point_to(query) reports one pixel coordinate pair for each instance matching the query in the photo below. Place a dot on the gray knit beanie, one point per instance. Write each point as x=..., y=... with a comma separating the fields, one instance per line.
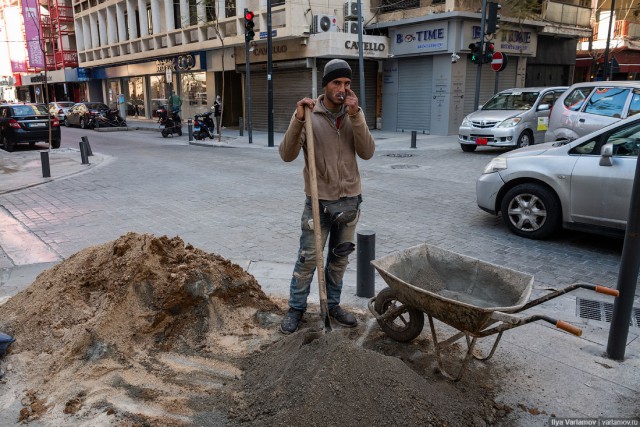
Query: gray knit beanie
x=335, y=69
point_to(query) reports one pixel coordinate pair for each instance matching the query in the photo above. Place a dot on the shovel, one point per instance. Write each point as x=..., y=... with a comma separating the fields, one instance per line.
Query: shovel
x=317, y=231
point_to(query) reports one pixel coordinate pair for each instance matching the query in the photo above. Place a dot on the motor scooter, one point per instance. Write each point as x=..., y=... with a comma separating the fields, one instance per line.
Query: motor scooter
x=170, y=120
x=203, y=126
x=111, y=118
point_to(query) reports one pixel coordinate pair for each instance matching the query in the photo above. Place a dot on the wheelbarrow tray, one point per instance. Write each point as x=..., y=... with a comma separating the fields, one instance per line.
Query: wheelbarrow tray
x=458, y=290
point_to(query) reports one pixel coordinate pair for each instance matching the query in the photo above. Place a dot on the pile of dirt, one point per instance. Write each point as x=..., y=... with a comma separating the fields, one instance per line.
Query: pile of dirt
x=320, y=379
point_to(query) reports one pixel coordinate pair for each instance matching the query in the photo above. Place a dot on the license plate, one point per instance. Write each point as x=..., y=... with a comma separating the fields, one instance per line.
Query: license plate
x=481, y=141
x=37, y=125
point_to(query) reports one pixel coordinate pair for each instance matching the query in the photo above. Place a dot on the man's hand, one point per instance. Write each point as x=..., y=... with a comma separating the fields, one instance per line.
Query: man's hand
x=305, y=102
x=351, y=102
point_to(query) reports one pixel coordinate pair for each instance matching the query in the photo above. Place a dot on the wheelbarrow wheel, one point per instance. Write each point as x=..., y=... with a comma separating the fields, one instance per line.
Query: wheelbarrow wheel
x=406, y=325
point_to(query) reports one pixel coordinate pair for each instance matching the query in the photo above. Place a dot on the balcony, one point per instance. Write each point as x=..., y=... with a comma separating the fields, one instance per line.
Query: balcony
x=573, y=14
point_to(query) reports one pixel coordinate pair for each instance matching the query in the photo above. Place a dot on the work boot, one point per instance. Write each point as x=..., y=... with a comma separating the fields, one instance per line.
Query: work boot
x=290, y=321
x=343, y=317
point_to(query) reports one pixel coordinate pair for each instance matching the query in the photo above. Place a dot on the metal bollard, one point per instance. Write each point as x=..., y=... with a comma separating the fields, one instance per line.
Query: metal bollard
x=241, y=126
x=413, y=138
x=87, y=145
x=190, y=128
x=366, y=244
x=83, y=153
x=44, y=158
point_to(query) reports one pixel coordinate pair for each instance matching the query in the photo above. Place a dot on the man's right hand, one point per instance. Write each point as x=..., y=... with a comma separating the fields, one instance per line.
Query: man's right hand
x=305, y=102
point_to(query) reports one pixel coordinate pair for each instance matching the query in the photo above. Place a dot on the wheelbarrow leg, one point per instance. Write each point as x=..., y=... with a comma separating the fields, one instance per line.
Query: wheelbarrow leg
x=493, y=349
x=438, y=345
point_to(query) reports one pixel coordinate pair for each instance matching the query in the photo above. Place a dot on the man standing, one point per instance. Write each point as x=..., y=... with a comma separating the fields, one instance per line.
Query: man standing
x=175, y=103
x=340, y=133
x=217, y=111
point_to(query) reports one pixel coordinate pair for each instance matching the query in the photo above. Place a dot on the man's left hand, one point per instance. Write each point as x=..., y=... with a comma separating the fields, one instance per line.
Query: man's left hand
x=351, y=102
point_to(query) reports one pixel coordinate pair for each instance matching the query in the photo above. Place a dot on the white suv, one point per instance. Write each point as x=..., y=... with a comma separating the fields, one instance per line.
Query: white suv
x=587, y=107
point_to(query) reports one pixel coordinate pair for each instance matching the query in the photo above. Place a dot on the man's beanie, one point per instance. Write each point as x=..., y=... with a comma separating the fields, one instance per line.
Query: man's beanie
x=335, y=69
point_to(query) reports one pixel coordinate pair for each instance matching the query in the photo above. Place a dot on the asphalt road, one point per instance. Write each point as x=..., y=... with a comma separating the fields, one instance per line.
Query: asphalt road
x=243, y=202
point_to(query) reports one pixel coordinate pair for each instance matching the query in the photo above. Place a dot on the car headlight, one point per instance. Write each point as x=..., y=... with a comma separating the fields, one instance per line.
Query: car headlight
x=466, y=122
x=495, y=165
x=509, y=123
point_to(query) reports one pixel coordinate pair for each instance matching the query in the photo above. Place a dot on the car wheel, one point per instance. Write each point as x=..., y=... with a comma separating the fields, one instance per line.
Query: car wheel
x=83, y=123
x=9, y=146
x=55, y=143
x=468, y=148
x=531, y=210
x=525, y=139
x=66, y=122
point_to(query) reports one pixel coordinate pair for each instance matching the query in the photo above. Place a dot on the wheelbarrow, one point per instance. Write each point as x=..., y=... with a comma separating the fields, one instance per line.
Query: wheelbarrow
x=477, y=298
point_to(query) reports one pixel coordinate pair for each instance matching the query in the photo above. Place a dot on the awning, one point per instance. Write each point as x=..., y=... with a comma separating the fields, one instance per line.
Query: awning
x=628, y=61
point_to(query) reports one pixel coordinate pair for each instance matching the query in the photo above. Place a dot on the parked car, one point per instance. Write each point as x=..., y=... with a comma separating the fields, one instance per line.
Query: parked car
x=512, y=118
x=20, y=123
x=60, y=109
x=583, y=184
x=82, y=113
x=587, y=107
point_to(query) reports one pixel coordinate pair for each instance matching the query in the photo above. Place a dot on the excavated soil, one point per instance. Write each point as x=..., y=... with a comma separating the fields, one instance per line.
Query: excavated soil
x=147, y=331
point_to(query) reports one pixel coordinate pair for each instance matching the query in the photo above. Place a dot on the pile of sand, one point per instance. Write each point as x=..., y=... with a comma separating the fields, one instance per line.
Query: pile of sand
x=138, y=307
x=147, y=331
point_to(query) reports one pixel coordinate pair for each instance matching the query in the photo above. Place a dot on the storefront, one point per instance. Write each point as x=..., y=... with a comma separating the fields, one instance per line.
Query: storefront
x=148, y=85
x=297, y=73
x=62, y=85
x=428, y=82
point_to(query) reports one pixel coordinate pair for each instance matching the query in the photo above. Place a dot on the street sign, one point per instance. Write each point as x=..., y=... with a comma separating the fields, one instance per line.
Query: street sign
x=498, y=62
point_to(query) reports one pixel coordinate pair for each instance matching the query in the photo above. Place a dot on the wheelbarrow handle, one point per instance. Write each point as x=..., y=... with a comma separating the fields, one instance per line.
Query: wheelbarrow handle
x=566, y=326
x=607, y=291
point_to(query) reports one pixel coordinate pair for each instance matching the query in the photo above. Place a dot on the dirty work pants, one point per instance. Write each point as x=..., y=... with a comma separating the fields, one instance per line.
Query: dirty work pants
x=306, y=263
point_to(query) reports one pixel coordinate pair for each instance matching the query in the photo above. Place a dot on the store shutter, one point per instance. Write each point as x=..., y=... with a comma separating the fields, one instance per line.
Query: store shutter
x=415, y=77
x=506, y=80
x=289, y=87
x=370, y=85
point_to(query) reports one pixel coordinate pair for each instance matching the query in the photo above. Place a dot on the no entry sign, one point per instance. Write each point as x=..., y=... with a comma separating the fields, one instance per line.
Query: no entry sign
x=498, y=61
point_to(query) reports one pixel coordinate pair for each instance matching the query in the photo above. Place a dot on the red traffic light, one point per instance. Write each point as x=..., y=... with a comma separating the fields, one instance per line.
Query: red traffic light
x=249, y=15
x=490, y=47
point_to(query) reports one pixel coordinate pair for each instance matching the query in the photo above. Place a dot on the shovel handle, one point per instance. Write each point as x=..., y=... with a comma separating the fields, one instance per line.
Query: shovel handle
x=565, y=326
x=607, y=291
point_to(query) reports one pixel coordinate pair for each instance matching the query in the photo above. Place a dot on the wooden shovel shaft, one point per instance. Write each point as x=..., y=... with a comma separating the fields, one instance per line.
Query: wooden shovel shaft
x=317, y=230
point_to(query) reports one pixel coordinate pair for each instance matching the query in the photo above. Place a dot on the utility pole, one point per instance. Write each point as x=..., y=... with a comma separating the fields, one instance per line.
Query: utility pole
x=363, y=102
x=607, y=68
x=269, y=76
x=479, y=73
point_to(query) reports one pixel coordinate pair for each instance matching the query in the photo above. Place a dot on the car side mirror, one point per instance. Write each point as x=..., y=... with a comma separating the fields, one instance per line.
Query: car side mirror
x=606, y=156
x=544, y=107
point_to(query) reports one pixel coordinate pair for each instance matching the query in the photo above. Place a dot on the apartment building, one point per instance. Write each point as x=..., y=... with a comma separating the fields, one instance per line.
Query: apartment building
x=615, y=24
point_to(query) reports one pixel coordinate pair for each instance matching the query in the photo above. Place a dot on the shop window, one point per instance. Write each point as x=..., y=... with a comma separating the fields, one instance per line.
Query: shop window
x=135, y=96
x=194, y=94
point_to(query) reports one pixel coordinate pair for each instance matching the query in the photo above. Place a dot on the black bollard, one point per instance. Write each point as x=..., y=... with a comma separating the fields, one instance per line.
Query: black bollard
x=83, y=153
x=87, y=145
x=190, y=128
x=241, y=126
x=44, y=158
x=365, y=286
x=413, y=138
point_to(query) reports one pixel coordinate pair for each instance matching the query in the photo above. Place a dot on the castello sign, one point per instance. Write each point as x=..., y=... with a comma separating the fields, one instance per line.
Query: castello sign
x=368, y=46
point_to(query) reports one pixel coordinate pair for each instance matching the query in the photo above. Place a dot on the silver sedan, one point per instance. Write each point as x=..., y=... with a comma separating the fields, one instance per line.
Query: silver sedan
x=584, y=184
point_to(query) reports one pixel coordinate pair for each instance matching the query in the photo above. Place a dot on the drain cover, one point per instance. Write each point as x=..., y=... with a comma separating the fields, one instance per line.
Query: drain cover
x=404, y=166
x=399, y=155
x=602, y=311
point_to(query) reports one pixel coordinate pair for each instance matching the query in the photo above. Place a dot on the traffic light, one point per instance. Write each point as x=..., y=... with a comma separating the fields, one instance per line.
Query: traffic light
x=248, y=25
x=492, y=18
x=476, y=52
x=488, y=52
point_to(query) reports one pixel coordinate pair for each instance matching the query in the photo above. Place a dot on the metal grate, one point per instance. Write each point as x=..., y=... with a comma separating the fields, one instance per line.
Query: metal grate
x=399, y=155
x=404, y=166
x=602, y=311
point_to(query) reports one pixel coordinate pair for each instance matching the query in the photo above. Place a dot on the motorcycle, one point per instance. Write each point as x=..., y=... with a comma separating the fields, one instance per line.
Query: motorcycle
x=111, y=118
x=170, y=120
x=203, y=126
